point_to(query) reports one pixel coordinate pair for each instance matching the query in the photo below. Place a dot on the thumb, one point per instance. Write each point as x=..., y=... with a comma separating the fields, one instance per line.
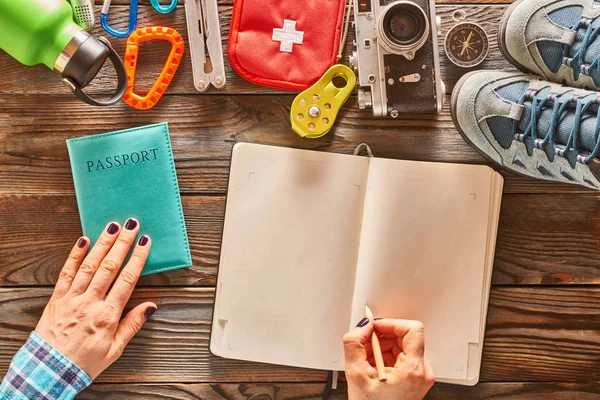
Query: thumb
x=133, y=322
x=355, y=341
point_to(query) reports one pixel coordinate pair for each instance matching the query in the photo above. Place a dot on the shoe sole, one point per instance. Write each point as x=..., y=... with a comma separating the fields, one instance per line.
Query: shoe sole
x=502, y=39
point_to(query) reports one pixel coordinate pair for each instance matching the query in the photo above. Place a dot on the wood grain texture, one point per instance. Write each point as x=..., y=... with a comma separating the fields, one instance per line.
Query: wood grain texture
x=517, y=391
x=313, y=391
x=262, y=391
x=536, y=334
x=51, y=225
x=231, y=2
x=542, y=239
x=172, y=347
x=541, y=341
x=533, y=335
x=560, y=248
x=34, y=158
x=20, y=79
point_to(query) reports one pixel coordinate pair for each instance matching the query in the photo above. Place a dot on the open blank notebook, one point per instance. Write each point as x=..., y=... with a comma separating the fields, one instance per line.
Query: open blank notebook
x=309, y=237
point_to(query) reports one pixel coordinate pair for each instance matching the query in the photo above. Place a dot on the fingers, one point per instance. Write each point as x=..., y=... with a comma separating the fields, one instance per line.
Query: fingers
x=358, y=369
x=88, y=267
x=131, y=324
x=109, y=267
x=121, y=291
x=410, y=334
x=67, y=274
x=356, y=340
x=387, y=345
x=389, y=360
x=429, y=374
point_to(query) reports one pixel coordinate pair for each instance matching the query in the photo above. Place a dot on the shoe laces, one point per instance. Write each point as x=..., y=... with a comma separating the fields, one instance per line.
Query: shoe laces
x=559, y=106
x=577, y=62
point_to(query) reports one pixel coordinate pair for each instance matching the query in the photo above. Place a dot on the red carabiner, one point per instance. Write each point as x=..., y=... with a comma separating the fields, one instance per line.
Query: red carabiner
x=167, y=73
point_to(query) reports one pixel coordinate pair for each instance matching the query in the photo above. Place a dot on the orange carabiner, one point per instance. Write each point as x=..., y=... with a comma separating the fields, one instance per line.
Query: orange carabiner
x=167, y=73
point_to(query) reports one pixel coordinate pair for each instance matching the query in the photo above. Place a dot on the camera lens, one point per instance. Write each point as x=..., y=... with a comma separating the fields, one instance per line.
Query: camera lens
x=403, y=27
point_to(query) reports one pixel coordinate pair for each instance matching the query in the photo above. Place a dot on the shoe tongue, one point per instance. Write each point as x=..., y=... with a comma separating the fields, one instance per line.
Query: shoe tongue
x=565, y=123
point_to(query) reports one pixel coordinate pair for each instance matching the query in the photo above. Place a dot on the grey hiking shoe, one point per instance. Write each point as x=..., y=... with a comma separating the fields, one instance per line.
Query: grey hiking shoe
x=530, y=126
x=556, y=39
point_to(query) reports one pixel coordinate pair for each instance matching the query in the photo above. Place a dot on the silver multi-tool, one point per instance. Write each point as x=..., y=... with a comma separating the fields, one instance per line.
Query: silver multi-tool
x=204, y=35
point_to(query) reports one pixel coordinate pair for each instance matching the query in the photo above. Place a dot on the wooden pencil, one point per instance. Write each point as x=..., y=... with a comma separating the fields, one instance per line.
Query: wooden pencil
x=376, y=349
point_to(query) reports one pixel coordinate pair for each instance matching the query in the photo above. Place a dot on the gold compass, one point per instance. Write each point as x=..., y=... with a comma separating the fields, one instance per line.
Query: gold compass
x=466, y=45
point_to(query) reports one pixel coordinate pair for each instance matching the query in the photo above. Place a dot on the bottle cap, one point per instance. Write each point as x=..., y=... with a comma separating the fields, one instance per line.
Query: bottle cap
x=86, y=61
x=81, y=60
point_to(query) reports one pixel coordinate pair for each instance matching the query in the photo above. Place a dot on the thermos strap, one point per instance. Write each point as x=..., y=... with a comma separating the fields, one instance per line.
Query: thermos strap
x=121, y=80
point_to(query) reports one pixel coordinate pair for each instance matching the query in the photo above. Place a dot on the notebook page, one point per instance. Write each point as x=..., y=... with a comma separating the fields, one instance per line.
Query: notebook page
x=423, y=253
x=475, y=355
x=288, y=257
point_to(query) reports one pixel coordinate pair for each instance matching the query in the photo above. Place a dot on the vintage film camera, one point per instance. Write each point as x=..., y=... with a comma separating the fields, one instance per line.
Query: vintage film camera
x=397, y=58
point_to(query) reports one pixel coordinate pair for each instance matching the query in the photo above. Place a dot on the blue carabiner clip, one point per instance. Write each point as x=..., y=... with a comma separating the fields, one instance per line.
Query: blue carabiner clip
x=133, y=10
x=163, y=9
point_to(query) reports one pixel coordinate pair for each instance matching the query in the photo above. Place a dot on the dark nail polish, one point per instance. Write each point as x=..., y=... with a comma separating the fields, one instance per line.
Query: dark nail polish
x=149, y=312
x=378, y=319
x=112, y=228
x=81, y=243
x=143, y=241
x=363, y=322
x=131, y=224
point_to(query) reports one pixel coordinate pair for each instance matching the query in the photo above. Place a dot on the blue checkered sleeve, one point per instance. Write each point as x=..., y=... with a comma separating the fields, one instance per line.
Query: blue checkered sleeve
x=39, y=371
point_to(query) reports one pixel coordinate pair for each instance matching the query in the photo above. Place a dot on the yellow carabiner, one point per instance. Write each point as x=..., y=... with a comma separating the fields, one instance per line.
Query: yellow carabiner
x=314, y=110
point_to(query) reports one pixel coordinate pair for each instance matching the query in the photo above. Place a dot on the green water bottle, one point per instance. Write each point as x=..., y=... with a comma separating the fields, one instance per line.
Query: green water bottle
x=43, y=32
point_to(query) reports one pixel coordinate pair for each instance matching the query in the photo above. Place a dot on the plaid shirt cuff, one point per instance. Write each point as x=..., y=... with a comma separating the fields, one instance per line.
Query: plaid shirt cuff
x=39, y=371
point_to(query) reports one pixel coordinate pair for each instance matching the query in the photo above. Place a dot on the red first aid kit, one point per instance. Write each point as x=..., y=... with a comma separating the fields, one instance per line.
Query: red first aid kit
x=286, y=44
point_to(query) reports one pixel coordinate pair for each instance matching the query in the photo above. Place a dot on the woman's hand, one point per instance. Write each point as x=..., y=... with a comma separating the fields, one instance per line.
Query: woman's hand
x=409, y=376
x=83, y=317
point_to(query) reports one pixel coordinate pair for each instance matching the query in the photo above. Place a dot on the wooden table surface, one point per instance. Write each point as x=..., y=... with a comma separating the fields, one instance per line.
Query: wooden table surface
x=542, y=332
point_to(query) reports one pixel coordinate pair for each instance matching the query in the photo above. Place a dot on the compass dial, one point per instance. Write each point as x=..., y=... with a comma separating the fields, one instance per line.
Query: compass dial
x=466, y=45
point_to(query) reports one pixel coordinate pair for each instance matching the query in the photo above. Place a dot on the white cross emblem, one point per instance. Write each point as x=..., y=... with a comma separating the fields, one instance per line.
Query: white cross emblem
x=288, y=36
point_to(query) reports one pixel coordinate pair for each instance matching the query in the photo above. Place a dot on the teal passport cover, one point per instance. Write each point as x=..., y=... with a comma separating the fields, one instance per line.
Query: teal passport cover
x=131, y=173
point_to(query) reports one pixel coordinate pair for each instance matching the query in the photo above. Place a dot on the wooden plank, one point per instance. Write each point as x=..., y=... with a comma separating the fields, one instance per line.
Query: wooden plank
x=539, y=241
x=542, y=334
x=50, y=224
x=230, y=2
x=267, y=391
x=19, y=79
x=542, y=239
x=172, y=347
x=517, y=391
x=533, y=335
x=34, y=158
